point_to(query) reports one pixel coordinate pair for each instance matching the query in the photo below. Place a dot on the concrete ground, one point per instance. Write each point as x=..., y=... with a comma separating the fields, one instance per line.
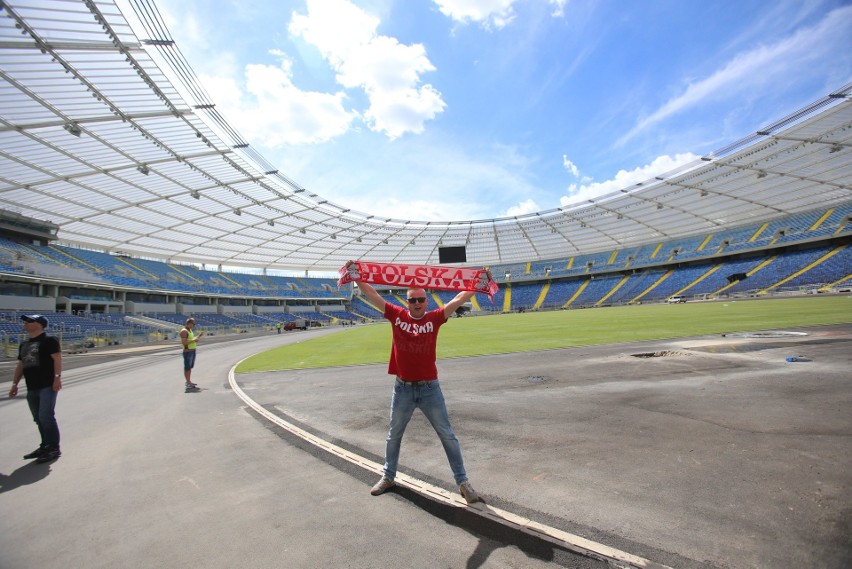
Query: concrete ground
x=695, y=453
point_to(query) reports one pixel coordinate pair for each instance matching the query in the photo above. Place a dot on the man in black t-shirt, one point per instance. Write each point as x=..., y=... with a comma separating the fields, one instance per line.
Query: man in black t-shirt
x=40, y=363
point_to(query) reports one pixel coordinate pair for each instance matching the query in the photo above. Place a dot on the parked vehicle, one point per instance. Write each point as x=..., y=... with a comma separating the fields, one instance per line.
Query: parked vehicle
x=301, y=324
x=676, y=299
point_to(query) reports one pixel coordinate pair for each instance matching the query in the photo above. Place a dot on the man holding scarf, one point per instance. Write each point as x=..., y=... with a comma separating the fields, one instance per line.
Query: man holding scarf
x=412, y=361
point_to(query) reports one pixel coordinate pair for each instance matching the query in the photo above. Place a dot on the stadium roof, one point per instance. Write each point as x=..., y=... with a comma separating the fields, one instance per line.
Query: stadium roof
x=112, y=138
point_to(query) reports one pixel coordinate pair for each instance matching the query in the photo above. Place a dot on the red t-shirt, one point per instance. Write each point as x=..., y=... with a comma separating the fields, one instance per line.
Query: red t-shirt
x=414, y=341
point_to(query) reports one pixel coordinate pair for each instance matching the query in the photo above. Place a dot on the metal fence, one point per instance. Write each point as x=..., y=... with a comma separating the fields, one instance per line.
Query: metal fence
x=77, y=339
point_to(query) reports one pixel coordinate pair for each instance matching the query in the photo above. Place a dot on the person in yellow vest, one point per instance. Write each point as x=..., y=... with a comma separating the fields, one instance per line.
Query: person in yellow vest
x=189, y=339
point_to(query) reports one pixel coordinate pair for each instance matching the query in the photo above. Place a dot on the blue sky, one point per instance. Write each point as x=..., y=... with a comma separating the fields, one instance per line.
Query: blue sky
x=473, y=109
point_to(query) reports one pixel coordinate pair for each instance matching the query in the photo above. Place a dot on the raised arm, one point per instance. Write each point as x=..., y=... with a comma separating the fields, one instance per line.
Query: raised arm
x=367, y=290
x=374, y=297
x=459, y=299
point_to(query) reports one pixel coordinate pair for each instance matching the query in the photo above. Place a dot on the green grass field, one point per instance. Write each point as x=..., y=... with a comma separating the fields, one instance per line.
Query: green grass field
x=507, y=333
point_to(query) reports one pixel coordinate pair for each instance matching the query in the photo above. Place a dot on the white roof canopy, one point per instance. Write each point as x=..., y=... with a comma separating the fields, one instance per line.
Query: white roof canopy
x=96, y=139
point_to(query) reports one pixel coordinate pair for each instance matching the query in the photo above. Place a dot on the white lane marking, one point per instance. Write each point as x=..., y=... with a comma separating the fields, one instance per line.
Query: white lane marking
x=553, y=535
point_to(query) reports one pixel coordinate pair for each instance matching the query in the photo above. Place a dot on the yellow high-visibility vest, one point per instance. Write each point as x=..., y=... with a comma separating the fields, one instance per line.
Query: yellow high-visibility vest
x=191, y=344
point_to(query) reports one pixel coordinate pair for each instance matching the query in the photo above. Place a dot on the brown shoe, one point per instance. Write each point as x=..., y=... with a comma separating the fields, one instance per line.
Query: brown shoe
x=468, y=493
x=382, y=486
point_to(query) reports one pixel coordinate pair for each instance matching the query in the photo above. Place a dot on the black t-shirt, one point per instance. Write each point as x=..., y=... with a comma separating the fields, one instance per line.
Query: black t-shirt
x=37, y=355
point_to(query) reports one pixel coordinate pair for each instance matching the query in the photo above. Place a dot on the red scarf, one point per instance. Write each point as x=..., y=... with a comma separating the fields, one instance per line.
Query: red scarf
x=419, y=276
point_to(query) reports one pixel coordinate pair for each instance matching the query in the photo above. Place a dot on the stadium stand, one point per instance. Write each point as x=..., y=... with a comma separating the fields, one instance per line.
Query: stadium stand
x=806, y=253
x=705, y=279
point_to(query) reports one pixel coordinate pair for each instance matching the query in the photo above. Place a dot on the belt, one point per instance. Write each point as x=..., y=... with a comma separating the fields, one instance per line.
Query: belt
x=414, y=383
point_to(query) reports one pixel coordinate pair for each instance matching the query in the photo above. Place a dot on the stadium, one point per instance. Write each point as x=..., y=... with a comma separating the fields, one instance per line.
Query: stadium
x=106, y=162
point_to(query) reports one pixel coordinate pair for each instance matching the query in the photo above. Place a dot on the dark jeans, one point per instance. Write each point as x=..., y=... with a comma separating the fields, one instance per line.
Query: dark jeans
x=42, y=403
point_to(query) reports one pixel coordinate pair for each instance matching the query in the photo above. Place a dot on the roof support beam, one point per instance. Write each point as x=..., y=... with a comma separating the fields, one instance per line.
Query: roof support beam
x=110, y=118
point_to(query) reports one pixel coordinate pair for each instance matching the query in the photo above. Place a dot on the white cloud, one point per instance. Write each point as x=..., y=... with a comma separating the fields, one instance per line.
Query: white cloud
x=523, y=208
x=570, y=166
x=558, y=8
x=753, y=70
x=274, y=112
x=496, y=13
x=624, y=179
x=334, y=27
x=396, y=113
x=387, y=71
x=489, y=13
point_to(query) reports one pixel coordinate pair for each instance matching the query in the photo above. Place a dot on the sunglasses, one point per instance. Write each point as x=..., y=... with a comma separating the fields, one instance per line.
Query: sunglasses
x=416, y=300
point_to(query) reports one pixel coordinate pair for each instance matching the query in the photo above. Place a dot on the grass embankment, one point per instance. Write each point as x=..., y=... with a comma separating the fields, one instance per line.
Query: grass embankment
x=529, y=332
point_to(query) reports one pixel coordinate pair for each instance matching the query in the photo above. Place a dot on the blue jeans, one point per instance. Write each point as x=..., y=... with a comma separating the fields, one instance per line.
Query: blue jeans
x=426, y=396
x=42, y=403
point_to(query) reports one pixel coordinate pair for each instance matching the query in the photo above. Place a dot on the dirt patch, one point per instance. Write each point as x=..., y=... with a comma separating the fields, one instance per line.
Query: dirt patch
x=661, y=354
